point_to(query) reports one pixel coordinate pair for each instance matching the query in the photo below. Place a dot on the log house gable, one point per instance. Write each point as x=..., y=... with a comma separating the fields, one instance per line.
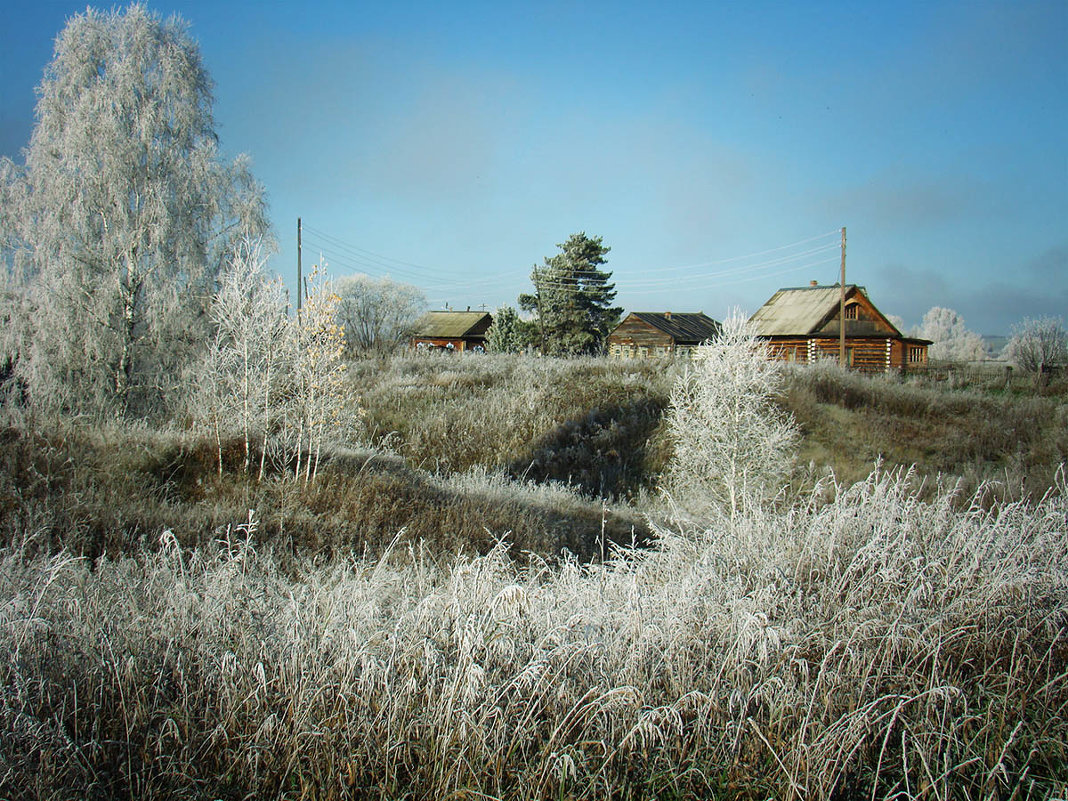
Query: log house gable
x=868, y=320
x=814, y=311
x=803, y=324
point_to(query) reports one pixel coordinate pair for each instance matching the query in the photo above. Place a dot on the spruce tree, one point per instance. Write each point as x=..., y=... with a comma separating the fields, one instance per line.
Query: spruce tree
x=572, y=298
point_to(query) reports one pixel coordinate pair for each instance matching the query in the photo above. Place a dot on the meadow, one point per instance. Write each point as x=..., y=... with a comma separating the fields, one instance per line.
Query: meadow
x=484, y=595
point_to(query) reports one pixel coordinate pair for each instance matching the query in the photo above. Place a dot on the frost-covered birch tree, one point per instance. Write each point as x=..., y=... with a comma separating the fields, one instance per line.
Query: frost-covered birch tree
x=269, y=379
x=13, y=260
x=128, y=213
x=732, y=445
x=234, y=385
x=1037, y=345
x=376, y=313
x=317, y=400
x=950, y=338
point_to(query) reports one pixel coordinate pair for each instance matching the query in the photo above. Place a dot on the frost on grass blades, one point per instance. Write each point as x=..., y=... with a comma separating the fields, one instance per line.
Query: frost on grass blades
x=877, y=646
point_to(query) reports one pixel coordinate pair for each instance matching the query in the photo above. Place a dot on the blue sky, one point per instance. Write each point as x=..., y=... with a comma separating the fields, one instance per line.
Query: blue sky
x=717, y=147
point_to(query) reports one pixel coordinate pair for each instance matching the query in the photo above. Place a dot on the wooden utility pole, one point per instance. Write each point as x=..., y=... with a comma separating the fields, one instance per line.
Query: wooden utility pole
x=300, y=283
x=541, y=313
x=841, y=309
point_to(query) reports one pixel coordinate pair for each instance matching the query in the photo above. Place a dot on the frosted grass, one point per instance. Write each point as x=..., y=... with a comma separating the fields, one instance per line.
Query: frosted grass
x=877, y=646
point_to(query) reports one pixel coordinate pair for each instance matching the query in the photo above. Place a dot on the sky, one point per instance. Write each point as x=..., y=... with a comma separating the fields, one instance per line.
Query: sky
x=718, y=148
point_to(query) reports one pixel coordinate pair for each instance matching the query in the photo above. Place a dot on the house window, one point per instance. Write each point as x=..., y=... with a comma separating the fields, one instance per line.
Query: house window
x=851, y=311
x=915, y=355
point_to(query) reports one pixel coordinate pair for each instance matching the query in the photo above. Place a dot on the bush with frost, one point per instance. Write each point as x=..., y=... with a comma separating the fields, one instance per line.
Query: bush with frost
x=1038, y=344
x=732, y=444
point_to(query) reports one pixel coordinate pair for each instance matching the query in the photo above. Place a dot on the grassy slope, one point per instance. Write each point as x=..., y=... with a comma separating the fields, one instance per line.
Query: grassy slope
x=880, y=645
x=597, y=424
x=974, y=431
x=590, y=424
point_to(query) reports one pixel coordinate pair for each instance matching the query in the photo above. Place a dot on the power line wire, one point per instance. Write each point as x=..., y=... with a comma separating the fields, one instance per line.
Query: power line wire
x=743, y=268
x=370, y=257
x=698, y=265
x=354, y=259
x=356, y=264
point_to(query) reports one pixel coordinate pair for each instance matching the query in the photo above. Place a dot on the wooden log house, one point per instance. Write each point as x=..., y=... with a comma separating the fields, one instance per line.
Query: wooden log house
x=453, y=331
x=651, y=334
x=801, y=324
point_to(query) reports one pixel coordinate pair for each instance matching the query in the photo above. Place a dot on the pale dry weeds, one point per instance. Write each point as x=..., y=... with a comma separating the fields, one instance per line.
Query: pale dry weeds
x=879, y=646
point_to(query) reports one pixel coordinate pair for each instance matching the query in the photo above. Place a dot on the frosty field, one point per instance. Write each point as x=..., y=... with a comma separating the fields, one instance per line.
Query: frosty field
x=892, y=638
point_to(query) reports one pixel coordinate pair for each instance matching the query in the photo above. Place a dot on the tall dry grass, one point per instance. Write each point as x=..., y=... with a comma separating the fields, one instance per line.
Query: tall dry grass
x=108, y=489
x=585, y=422
x=868, y=645
x=979, y=432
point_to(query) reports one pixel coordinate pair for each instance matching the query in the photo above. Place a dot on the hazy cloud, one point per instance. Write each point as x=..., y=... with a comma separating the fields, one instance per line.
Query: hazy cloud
x=892, y=199
x=1052, y=265
x=990, y=306
x=1005, y=304
x=439, y=144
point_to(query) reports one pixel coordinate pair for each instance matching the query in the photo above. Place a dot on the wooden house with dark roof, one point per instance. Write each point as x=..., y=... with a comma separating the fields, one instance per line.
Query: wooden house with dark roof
x=649, y=334
x=454, y=331
x=802, y=324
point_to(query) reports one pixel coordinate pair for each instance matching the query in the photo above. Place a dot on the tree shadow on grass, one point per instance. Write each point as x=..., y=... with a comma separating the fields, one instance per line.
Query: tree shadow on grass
x=606, y=454
x=366, y=501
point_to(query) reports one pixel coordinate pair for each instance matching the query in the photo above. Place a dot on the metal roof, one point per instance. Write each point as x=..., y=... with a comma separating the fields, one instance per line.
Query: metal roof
x=452, y=324
x=798, y=312
x=684, y=327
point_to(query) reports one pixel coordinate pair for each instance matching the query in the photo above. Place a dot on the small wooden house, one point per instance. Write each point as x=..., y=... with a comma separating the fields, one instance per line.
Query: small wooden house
x=649, y=334
x=802, y=325
x=453, y=331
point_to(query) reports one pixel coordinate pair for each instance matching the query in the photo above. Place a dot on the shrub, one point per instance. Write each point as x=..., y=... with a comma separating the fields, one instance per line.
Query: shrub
x=733, y=445
x=1038, y=345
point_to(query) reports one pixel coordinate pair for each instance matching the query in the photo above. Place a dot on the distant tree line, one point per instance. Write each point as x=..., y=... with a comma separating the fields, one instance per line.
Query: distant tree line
x=1036, y=345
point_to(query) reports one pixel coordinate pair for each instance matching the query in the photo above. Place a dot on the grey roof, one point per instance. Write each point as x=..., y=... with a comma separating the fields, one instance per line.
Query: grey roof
x=801, y=311
x=683, y=327
x=796, y=311
x=452, y=324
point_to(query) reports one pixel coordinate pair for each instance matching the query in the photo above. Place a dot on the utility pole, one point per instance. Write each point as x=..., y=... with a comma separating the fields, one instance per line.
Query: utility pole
x=841, y=309
x=299, y=280
x=541, y=313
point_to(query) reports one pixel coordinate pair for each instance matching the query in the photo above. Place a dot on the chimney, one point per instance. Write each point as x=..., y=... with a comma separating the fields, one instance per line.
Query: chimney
x=667, y=315
x=813, y=283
